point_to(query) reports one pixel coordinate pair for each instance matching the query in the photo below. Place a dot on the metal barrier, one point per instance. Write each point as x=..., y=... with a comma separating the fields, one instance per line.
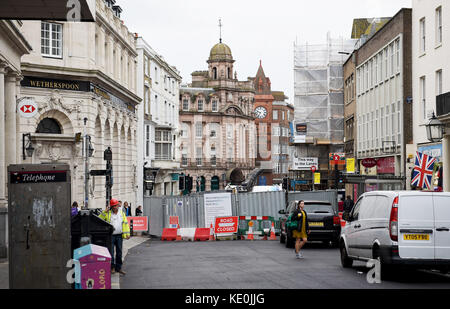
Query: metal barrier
x=191, y=211
x=261, y=225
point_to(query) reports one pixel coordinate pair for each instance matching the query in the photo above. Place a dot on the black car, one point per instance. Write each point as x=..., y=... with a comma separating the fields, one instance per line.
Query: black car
x=324, y=223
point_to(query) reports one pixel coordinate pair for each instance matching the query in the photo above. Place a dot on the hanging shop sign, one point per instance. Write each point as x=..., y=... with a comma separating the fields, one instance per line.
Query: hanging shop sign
x=369, y=162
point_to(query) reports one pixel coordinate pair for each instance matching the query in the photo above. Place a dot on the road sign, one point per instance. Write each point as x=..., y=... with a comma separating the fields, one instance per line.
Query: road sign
x=140, y=224
x=27, y=108
x=226, y=225
x=173, y=222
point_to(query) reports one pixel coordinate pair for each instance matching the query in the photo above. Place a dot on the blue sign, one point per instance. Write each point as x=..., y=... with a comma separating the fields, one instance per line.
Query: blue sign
x=434, y=151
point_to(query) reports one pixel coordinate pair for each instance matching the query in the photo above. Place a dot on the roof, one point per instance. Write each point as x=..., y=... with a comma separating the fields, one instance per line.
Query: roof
x=220, y=51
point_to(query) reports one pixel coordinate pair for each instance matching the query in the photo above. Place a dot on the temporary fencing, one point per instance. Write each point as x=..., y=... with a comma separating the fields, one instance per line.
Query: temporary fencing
x=191, y=211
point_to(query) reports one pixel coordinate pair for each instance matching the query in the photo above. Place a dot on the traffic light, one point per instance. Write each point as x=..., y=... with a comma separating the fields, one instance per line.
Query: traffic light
x=286, y=183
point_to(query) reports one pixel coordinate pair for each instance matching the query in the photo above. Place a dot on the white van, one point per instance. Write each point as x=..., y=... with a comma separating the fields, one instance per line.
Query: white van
x=398, y=227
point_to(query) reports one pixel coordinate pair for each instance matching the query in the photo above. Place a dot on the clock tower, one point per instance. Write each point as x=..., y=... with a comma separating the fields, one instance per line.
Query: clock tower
x=263, y=120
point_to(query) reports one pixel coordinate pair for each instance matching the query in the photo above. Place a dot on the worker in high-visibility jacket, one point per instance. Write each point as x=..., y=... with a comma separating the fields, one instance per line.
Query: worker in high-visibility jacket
x=115, y=216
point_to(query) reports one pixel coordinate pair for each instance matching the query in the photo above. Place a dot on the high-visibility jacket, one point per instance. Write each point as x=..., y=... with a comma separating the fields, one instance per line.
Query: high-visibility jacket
x=106, y=215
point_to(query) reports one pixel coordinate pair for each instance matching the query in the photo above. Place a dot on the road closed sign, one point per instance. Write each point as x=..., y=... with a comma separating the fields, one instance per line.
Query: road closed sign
x=226, y=225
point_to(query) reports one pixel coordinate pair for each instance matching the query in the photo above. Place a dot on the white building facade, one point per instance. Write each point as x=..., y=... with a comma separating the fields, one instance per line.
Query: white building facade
x=431, y=70
x=82, y=76
x=158, y=125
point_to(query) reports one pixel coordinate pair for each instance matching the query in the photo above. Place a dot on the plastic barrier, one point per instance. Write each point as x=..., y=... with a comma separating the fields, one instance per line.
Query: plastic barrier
x=342, y=220
x=169, y=234
x=202, y=234
x=261, y=225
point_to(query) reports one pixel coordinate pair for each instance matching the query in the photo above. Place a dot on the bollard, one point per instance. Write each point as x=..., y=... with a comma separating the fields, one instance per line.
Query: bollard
x=131, y=227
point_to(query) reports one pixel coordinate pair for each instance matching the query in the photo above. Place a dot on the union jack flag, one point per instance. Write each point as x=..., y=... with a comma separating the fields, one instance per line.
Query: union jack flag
x=423, y=171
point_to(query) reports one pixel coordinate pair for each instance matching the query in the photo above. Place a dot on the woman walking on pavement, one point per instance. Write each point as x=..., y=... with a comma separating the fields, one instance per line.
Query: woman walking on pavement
x=302, y=229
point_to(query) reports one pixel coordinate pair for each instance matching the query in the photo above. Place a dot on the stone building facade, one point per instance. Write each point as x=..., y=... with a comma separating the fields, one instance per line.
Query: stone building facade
x=12, y=46
x=158, y=133
x=218, y=135
x=83, y=78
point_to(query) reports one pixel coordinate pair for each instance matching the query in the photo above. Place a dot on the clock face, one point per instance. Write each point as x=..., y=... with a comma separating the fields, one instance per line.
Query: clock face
x=260, y=112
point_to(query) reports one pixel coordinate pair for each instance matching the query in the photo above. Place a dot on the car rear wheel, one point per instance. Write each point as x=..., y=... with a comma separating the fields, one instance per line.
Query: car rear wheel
x=289, y=242
x=345, y=260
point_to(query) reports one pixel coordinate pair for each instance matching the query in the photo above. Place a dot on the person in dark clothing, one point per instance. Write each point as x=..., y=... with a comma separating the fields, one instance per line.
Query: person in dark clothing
x=139, y=211
x=302, y=229
x=348, y=204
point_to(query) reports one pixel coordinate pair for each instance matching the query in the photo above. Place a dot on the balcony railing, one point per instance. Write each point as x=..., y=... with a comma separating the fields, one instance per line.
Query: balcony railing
x=443, y=104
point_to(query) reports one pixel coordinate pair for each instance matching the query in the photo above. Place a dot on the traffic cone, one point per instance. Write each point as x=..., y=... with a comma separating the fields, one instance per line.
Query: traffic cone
x=211, y=232
x=178, y=233
x=250, y=234
x=272, y=233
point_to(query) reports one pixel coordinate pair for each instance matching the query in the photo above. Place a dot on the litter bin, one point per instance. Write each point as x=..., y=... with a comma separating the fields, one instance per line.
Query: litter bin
x=87, y=225
x=95, y=267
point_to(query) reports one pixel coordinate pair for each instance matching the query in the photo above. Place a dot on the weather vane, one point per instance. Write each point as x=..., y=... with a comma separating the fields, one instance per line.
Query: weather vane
x=220, y=27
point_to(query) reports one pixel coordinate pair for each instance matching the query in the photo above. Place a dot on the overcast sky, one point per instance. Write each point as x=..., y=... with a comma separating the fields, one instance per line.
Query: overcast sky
x=184, y=31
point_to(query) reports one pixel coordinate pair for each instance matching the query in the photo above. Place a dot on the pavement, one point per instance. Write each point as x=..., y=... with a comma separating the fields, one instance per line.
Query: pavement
x=115, y=278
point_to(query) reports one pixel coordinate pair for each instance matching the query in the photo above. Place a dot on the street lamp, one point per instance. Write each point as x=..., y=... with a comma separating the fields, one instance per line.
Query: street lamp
x=435, y=129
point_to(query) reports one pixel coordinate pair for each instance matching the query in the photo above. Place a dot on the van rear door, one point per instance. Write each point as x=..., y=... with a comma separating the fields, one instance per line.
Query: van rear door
x=442, y=225
x=416, y=237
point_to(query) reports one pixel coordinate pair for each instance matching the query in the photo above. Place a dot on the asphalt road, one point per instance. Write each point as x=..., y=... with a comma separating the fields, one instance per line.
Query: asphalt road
x=242, y=264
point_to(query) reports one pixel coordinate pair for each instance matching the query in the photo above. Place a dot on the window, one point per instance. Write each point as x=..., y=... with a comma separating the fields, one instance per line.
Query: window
x=422, y=85
x=422, y=35
x=438, y=82
x=146, y=67
x=215, y=106
x=391, y=50
x=275, y=115
x=200, y=105
x=49, y=126
x=184, y=160
x=198, y=130
x=163, y=145
x=213, y=156
x=146, y=100
x=230, y=131
x=386, y=68
x=198, y=156
x=397, y=53
x=156, y=79
x=147, y=140
x=185, y=104
x=439, y=25
x=230, y=154
x=51, y=40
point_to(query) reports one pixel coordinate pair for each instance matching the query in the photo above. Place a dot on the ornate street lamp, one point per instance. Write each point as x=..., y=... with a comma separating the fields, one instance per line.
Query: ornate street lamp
x=435, y=129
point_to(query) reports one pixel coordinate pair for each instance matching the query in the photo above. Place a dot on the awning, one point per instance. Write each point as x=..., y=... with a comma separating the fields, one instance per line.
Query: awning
x=45, y=10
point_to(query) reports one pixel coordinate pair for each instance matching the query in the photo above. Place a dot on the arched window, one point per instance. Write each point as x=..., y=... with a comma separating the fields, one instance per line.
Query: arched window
x=229, y=73
x=49, y=126
x=214, y=73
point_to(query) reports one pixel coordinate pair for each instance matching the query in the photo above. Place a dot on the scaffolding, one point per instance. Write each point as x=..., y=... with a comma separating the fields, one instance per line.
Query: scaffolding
x=319, y=87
